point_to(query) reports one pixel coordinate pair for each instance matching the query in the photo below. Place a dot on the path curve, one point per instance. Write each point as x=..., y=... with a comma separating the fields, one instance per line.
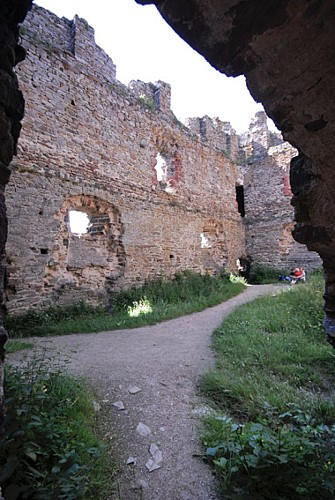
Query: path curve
x=165, y=361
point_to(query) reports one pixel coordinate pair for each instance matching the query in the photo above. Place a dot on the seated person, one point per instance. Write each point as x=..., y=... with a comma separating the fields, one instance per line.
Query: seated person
x=298, y=274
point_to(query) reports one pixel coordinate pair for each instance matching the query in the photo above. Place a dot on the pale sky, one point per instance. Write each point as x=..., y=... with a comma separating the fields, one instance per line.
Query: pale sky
x=144, y=47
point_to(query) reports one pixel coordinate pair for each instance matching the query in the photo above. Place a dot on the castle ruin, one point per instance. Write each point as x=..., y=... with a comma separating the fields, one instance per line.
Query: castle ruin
x=158, y=197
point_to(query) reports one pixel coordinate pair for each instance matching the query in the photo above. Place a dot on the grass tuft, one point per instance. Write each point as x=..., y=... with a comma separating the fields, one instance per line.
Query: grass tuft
x=272, y=360
x=17, y=345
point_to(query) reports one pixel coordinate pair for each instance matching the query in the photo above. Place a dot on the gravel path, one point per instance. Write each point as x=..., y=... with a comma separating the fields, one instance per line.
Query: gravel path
x=165, y=362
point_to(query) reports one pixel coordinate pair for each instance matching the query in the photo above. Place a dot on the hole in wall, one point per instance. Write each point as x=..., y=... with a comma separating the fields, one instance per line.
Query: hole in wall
x=44, y=251
x=205, y=241
x=165, y=171
x=240, y=200
x=79, y=222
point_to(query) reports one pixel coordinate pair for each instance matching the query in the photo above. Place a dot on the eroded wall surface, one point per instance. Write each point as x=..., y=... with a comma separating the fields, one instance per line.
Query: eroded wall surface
x=269, y=215
x=160, y=198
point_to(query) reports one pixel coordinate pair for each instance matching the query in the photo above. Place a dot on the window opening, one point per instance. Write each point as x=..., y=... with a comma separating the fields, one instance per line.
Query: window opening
x=205, y=241
x=240, y=200
x=79, y=222
x=165, y=173
x=161, y=168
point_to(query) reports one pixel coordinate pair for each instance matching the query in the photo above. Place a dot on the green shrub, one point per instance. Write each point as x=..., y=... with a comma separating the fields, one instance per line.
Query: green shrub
x=49, y=450
x=282, y=455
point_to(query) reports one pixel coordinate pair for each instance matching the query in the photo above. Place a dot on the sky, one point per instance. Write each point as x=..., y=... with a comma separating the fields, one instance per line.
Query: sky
x=144, y=47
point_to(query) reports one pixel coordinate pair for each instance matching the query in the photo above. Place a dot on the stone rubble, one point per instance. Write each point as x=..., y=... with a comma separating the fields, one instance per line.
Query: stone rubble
x=134, y=389
x=119, y=405
x=143, y=430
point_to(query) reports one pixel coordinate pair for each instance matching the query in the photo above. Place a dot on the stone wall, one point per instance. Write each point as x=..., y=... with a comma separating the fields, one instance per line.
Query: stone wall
x=159, y=197
x=165, y=195
x=268, y=212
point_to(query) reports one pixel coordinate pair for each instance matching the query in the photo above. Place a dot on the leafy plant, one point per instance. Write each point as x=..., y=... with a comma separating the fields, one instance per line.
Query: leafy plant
x=141, y=307
x=237, y=279
x=147, y=102
x=49, y=449
x=283, y=455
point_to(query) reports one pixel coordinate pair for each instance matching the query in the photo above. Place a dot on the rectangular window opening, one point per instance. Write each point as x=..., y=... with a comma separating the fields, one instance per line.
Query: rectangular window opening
x=240, y=200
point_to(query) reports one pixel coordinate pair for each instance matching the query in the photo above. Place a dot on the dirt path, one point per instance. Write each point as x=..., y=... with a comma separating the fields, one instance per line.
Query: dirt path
x=165, y=362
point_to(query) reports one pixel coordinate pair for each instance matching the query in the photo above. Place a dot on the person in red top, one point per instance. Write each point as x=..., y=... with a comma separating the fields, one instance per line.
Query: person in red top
x=298, y=274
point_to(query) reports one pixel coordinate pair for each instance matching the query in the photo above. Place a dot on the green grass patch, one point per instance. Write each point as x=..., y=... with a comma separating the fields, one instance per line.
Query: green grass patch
x=261, y=274
x=51, y=448
x=17, y=345
x=147, y=305
x=273, y=387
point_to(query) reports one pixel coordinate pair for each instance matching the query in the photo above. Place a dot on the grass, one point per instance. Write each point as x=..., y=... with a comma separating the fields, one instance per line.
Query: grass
x=17, y=345
x=271, y=357
x=51, y=448
x=154, y=302
x=261, y=274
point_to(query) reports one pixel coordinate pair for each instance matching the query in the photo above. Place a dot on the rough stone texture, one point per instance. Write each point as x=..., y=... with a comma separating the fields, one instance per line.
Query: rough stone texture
x=89, y=143
x=286, y=50
x=160, y=197
x=268, y=212
x=12, y=12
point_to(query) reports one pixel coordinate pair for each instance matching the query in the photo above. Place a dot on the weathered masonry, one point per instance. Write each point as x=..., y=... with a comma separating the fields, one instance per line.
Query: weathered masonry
x=154, y=197
x=158, y=199
x=267, y=195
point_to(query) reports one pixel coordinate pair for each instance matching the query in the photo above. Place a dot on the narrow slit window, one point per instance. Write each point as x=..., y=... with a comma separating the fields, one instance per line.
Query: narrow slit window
x=240, y=200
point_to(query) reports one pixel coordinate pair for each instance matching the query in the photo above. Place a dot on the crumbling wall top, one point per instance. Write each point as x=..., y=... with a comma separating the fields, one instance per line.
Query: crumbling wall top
x=76, y=37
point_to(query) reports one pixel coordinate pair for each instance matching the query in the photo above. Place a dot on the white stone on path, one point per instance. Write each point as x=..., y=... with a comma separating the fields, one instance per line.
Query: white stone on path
x=134, y=390
x=156, y=453
x=119, y=405
x=152, y=465
x=96, y=406
x=143, y=430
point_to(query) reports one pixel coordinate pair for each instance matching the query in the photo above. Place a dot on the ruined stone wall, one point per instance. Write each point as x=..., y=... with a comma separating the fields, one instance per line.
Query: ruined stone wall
x=217, y=133
x=159, y=198
x=269, y=216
